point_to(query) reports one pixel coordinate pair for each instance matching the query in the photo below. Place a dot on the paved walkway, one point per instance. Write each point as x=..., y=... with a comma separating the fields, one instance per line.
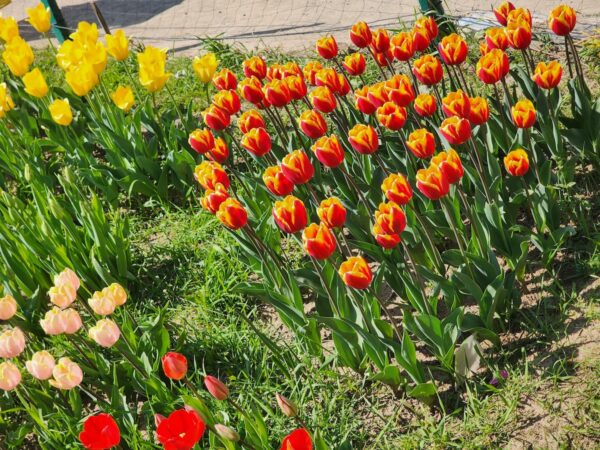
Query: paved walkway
x=291, y=25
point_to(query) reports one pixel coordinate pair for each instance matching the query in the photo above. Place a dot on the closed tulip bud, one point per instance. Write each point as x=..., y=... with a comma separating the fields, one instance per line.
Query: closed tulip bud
x=502, y=11
x=71, y=321
x=496, y=38
x=523, y=113
x=399, y=90
x=102, y=305
x=519, y=15
x=216, y=387
x=383, y=59
x=391, y=218
x=391, y=116
x=291, y=68
x=66, y=374
x=456, y=104
x=215, y=118
x=201, y=140
x=40, y=365
x=39, y=18
x=225, y=80
x=456, y=130
x=310, y=71
x=397, y=189
x=355, y=64
x=213, y=198
x=323, y=99
x=429, y=24
x=425, y=105
x=562, y=20
x=297, y=167
x=86, y=33
x=257, y=141
x=290, y=214
x=227, y=433
x=249, y=120
x=10, y=376
x=67, y=277
x=205, y=67
x=428, y=70
x=327, y=47
x=516, y=162
x=479, y=112
x=232, y=214
x=17, y=55
x=432, y=183
x=356, y=273
x=287, y=407
x=12, y=343
x=312, y=124
x=61, y=113
x=105, y=333
x=116, y=293
x=8, y=307
x=453, y=49
x=378, y=94
x=174, y=365
x=296, y=86
x=82, y=79
x=276, y=181
x=228, y=101
x=9, y=29
x=251, y=90
x=62, y=295
x=123, y=98
x=277, y=93
x=421, y=143
x=384, y=239
x=493, y=66
x=420, y=39
x=209, y=174
x=380, y=40
x=547, y=75
x=220, y=152
x=363, y=139
x=518, y=33
x=255, y=67
x=328, y=77
x=318, y=240
x=152, y=63
x=360, y=34
x=117, y=45
x=6, y=101
x=332, y=213
x=35, y=83
x=402, y=46
x=362, y=102
x=450, y=165
x=329, y=151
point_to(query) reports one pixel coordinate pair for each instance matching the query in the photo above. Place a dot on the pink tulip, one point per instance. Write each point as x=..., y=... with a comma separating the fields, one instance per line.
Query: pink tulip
x=12, y=343
x=8, y=307
x=41, y=365
x=52, y=323
x=117, y=293
x=62, y=295
x=71, y=320
x=216, y=387
x=67, y=277
x=106, y=333
x=10, y=376
x=102, y=304
x=66, y=374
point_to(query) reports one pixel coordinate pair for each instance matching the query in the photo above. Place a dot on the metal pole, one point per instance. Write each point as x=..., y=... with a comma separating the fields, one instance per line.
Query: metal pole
x=59, y=25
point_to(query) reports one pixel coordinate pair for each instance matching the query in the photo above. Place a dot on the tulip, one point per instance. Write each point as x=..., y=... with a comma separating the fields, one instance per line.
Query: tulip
x=182, y=430
x=421, y=143
x=201, y=140
x=332, y=213
x=66, y=374
x=71, y=321
x=10, y=376
x=86, y=33
x=8, y=307
x=363, y=139
x=257, y=141
x=428, y=23
x=205, y=67
x=277, y=93
x=428, y=70
x=383, y=59
x=174, y=365
x=62, y=295
x=310, y=71
x=425, y=105
x=519, y=15
x=432, y=183
x=227, y=101
x=492, y=66
x=35, y=84
x=40, y=365
x=297, y=167
x=479, y=112
x=391, y=116
x=327, y=47
x=102, y=305
x=220, y=152
x=402, y=46
x=68, y=277
x=39, y=18
x=215, y=118
x=52, y=323
x=399, y=90
x=456, y=104
x=116, y=293
x=276, y=181
x=297, y=86
x=227, y=433
x=562, y=20
x=362, y=102
x=456, y=130
x=356, y=273
x=249, y=120
x=213, y=198
x=216, y=387
x=453, y=49
x=251, y=90
x=82, y=79
x=100, y=432
x=6, y=101
x=12, y=343
x=232, y=214
x=323, y=99
x=378, y=94
x=516, y=162
x=397, y=189
x=390, y=218
x=547, y=75
x=61, y=113
x=105, y=333
x=123, y=98
x=9, y=29
x=291, y=68
x=290, y=214
x=496, y=38
x=420, y=39
x=318, y=240
x=449, y=164
x=225, y=80
x=312, y=124
x=18, y=56
x=329, y=151
x=385, y=240
x=255, y=67
x=380, y=40
x=209, y=174
x=152, y=64
x=287, y=407
x=355, y=64
x=523, y=113
x=117, y=45
x=502, y=11
x=360, y=34
x=518, y=33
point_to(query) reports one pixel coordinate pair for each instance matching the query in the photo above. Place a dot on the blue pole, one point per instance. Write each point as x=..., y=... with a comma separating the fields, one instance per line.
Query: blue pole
x=59, y=26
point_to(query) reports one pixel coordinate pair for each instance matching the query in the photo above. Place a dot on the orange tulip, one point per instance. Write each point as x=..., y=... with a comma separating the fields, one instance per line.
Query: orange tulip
x=296, y=86
x=562, y=20
x=390, y=218
x=213, y=198
x=257, y=141
x=225, y=80
x=332, y=213
x=312, y=124
x=397, y=189
x=228, y=101
x=386, y=240
x=323, y=100
x=502, y=11
x=523, y=113
x=327, y=47
x=201, y=140
x=355, y=64
x=450, y=165
x=479, y=112
x=275, y=72
x=391, y=116
x=363, y=139
x=547, y=75
x=216, y=118
x=496, y=38
x=251, y=90
x=380, y=40
x=220, y=152
x=456, y=104
x=383, y=59
x=399, y=90
x=518, y=15
x=456, y=130
x=318, y=240
x=232, y=214
x=378, y=94
x=432, y=183
x=425, y=105
x=428, y=70
x=361, y=35
x=297, y=167
x=518, y=33
x=453, y=49
x=249, y=120
x=344, y=85
x=516, y=162
x=420, y=39
x=421, y=143
x=428, y=24
x=277, y=93
x=255, y=67
x=209, y=174
x=328, y=77
x=329, y=151
x=362, y=101
x=356, y=273
x=402, y=46
x=290, y=214
x=493, y=66
x=290, y=68
x=276, y=182
x=310, y=71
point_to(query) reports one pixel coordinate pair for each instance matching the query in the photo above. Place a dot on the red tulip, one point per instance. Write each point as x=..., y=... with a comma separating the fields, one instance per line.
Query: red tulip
x=174, y=364
x=216, y=118
x=276, y=182
x=361, y=35
x=181, y=430
x=297, y=167
x=297, y=440
x=290, y=214
x=225, y=80
x=456, y=130
x=318, y=240
x=216, y=387
x=100, y=432
x=329, y=151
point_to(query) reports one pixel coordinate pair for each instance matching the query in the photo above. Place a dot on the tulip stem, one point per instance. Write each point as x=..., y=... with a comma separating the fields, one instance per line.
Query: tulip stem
x=577, y=61
x=345, y=242
x=414, y=78
x=463, y=198
x=295, y=125
x=526, y=60
x=80, y=350
x=342, y=71
x=509, y=98
x=381, y=164
x=436, y=256
x=358, y=192
x=465, y=82
x=334, y=305
x=459, y=241
x=529, y=139
x=479, y=165
x=175, y=105
x=276, y=126
x=568, y=57
x=377, y=64
x=437, y=95
x=417, y=277
x=389, y=315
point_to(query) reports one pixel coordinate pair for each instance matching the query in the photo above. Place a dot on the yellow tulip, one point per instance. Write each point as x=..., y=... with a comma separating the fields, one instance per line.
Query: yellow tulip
x=6, y=101
x=152, y=73
x=205, y=67
x=35, y=84
x=18, y=56
x=86, y=34
x=39, y=18
x=123, y=98
x=96, y=55
x=69, y=54
x=9, y=29
x=118, y=45
x=61, y=113
x=82, y=79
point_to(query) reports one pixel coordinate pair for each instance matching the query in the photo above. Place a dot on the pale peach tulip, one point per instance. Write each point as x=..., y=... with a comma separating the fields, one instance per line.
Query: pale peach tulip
x=102, y=304
x=12, y=343
x=66, y=374
x=117, y=293
x=106, y=333
x=71, y=320
x=41, y=365
x=52, y=323
x=62, y=295
x=8, y=307
x=10, y=376
x=67, y=277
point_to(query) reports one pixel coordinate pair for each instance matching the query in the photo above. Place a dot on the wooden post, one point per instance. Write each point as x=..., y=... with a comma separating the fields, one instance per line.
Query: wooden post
x=100, y=17
x=59, y=25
